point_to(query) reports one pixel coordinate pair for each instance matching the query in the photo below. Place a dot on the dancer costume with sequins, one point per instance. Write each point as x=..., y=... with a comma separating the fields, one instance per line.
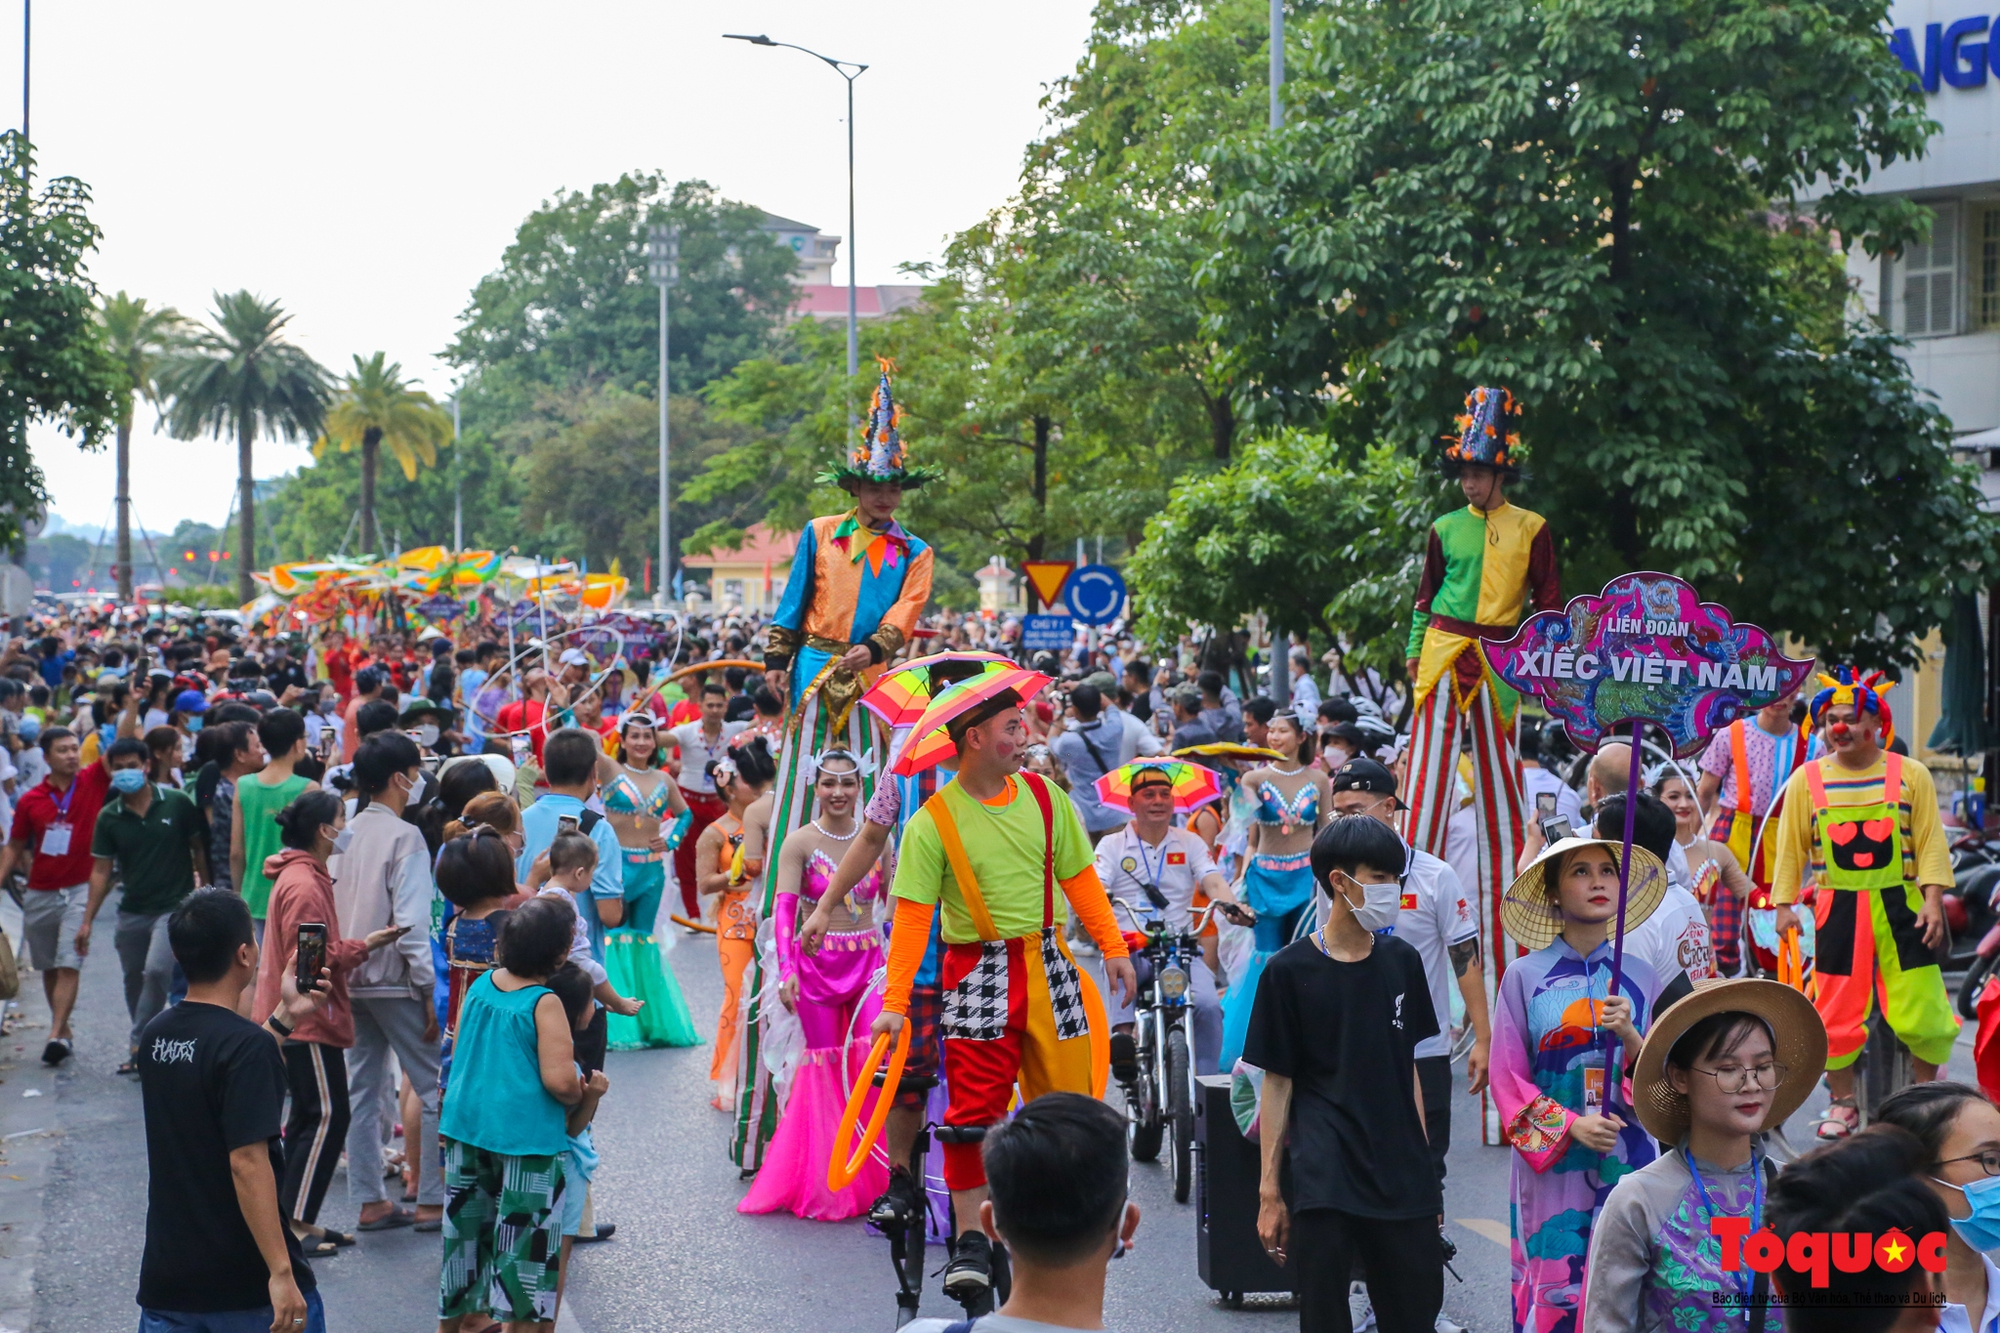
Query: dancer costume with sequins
x=1279, y=889
x=631, y=949
x=850, y=586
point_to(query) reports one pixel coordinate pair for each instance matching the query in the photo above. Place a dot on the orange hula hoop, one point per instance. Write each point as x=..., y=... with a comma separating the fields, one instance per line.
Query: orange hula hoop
x=840, y=1174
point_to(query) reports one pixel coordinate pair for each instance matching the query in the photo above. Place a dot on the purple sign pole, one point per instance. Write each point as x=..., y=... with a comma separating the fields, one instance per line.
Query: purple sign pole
x=1646, y=649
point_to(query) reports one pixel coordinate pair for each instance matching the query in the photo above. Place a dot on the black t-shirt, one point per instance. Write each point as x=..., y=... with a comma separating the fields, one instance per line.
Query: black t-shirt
x=1345, y=1034
x=741, y=708
x=212, y=1081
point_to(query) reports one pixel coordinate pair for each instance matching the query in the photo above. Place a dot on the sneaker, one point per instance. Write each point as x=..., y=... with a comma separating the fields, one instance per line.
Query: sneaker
x=1124, y=1057
x=1444, y=1324
x=56, y=1051
x=898, y=1203
x=605, y=1231
x=1360, y=1310
x=969, y=1275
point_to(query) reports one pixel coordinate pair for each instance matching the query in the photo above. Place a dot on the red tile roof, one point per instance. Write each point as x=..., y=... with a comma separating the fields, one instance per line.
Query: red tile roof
x=759, y=544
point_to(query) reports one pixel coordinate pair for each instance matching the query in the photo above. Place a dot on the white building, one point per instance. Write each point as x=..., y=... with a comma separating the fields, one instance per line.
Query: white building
x=1945, y=296
x=821, y=294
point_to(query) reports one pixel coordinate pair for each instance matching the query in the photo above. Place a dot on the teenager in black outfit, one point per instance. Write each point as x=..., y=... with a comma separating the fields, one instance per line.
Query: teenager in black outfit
x=1336, y=1022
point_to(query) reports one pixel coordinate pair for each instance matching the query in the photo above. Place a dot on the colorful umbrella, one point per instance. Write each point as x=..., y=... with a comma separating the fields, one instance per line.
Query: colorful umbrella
x=1227, y=750
x=900, y=697
x=929, y=744
x=1193, y=785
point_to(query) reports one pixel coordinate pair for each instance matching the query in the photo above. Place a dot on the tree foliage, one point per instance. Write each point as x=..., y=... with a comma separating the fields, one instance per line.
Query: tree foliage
x=376, y=407
x=53, y=362
x=1601, y=204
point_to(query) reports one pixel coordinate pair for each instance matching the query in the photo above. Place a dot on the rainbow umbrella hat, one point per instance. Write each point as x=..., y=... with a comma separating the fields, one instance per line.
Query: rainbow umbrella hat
x=1193, y=785
x=929, y=744
x=900, y=697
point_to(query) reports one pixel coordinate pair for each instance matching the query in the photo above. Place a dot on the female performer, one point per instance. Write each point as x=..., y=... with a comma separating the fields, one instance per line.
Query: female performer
x=1719, y=881
x=740, y=779
x=1277, y=881
x=637, y=799
x=824, y=989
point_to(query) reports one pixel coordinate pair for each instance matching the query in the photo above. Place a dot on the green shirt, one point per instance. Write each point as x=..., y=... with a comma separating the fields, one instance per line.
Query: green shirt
x=153, y=851
x=1004, y=846
x=261, y=805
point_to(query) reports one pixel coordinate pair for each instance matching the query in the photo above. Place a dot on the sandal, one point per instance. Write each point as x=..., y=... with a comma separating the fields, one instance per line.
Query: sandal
x=129, y=1067
x=317, y=1247
x=1833, y=1126
x=328, y=1234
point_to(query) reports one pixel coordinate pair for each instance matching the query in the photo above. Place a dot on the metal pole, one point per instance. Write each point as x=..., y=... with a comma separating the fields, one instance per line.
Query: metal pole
x=457, y=485
x=666, y=522
x=853, y=333
x=27, y=32
x=1277, y=64
x=667, y=529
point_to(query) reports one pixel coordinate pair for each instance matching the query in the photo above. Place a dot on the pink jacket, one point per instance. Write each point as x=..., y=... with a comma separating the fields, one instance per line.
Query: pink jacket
x=303, y=891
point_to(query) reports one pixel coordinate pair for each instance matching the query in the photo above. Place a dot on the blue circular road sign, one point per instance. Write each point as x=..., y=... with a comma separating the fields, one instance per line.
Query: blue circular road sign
x=1096, y=594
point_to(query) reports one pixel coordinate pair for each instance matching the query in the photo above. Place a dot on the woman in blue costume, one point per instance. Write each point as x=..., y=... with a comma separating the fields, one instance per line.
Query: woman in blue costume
x=1277, y=882
x=640, y=800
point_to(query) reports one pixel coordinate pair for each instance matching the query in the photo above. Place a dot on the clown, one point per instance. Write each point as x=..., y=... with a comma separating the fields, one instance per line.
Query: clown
x=1484, y=561
x=858, y=583
x=1860, y=828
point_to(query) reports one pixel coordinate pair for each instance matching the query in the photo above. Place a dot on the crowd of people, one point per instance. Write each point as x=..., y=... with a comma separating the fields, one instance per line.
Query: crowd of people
x=392, y=899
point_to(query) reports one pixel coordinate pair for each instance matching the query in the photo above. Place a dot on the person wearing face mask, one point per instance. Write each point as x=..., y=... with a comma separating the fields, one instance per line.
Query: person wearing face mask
x=315, y=1062
x=1959, y=1128
x=1728, y=1062
x=1335, y=1026
x=382, y=877
x=323, y=722
x=425, y=722
x=155, y=840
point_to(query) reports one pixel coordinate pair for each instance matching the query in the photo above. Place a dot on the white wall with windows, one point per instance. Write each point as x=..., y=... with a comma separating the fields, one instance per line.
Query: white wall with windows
x=1944, y=295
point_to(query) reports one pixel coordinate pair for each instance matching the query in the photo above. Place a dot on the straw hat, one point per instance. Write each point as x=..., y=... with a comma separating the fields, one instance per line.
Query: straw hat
x=1796, y=1029
x=1529, y=908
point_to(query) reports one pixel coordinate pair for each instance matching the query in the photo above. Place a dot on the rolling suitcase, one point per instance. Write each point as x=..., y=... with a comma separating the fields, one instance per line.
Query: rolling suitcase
x=1229, y=1255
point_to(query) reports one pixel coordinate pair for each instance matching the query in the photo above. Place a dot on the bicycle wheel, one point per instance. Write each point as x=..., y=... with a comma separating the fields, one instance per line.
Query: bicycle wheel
x=1975, y=981
x=1180, y=1114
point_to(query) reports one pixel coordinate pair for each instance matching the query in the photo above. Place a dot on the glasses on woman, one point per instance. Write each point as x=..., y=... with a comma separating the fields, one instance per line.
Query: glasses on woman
x=1988, y=1159
x=1740, y=1078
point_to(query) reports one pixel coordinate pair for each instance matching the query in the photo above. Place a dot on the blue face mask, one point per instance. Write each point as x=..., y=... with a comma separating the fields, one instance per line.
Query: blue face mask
x=194, y=723
x=126, y=781
x=1981, y=1230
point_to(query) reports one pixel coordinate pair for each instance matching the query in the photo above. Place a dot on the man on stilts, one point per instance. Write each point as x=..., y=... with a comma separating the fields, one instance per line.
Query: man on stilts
x=858, y=583
x=1483, y=562
x=991, y=850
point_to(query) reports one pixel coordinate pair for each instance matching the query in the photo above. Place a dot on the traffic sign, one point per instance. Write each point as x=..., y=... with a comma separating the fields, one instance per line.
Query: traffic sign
x=1096, y=594
x=1048, y=577
x=1051, y=633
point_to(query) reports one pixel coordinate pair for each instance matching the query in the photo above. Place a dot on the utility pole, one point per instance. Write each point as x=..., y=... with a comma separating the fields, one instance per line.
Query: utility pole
x=27, y=67
x=663, y=255
x=1280, y=688
x=457, y=485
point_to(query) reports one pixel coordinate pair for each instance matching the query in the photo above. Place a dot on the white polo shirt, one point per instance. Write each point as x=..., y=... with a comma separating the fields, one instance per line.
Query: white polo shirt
x=1126, y=864
x=1435, y=915
x=696, y=750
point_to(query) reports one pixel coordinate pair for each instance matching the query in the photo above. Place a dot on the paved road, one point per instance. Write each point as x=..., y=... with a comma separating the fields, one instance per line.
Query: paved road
x=683, y=1257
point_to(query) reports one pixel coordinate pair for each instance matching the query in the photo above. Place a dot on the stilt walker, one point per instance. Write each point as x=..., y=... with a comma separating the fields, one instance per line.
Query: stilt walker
x=857, y=585
x=1483, y=563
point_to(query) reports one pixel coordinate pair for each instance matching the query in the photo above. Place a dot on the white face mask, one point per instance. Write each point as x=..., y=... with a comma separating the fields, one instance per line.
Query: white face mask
x=1380, y=904
x=342, y=838
x=427, y=735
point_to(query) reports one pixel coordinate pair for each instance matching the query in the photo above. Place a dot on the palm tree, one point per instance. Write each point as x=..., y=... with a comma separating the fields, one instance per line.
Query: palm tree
x=242, y=376
x=376, y=407
x=139, y=339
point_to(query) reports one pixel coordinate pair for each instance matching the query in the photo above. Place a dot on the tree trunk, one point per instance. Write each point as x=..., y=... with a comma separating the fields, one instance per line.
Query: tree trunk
x=1221, y=426
x=246, y=509
x=125, y=509
x=1038, y=539
x=371, y=440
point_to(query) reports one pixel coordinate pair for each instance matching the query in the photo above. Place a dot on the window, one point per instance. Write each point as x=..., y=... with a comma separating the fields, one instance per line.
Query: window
x=1986, y=271
x=1923, y=285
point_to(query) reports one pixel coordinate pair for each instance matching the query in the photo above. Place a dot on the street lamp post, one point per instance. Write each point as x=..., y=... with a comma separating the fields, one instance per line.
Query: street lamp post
x=457, y=482
x=663, y=265
x=840, y=67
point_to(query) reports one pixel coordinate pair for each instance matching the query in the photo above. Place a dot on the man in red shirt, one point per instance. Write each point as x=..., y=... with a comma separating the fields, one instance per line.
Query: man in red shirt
x=529, y=714
x=54, y=822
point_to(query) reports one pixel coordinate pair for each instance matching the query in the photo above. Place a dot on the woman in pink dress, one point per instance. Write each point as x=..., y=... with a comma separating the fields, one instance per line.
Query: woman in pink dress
x=829, y=992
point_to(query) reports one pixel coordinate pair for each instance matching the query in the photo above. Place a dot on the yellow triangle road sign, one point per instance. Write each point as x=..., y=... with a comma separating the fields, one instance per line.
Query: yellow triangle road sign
x=1048, y=576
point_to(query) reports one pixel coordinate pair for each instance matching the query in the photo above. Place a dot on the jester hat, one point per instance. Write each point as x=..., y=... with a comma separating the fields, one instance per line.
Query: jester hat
x=1486, y=434
x=1864, y=692
x=880, y=455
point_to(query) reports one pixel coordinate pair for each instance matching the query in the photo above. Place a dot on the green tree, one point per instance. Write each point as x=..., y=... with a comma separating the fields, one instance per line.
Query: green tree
x=242, y=377
x=139, y=337
x=571, y=306
x=1289, y=531
x=375, y=407
x=1602, y=204
x=315, y=511
x=53, y=362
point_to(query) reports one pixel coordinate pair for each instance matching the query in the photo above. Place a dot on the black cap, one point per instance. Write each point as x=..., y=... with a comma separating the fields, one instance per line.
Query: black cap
x=1365, y=775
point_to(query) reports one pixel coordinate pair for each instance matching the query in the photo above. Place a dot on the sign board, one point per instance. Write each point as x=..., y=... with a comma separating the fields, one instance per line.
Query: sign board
x=1646, y=649
x=1047, y=633
x=440, y=607
x=1096, y=594
x=1047, y=577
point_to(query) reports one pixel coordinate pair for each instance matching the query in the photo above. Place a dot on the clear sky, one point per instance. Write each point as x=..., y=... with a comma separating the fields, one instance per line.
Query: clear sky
x=365, y=163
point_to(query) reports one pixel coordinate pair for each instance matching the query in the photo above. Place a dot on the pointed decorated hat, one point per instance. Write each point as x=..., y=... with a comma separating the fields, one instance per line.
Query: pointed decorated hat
x=1863, y=690
x=880, y=455
x=1486, y=433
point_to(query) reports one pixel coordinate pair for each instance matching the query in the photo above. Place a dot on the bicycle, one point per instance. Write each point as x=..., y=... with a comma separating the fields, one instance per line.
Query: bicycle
x=907, y=1230
x=1160, y=1100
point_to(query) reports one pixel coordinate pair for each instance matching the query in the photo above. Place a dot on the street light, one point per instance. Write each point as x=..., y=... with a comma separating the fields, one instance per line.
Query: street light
x=663, y=266
x=840, y=67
